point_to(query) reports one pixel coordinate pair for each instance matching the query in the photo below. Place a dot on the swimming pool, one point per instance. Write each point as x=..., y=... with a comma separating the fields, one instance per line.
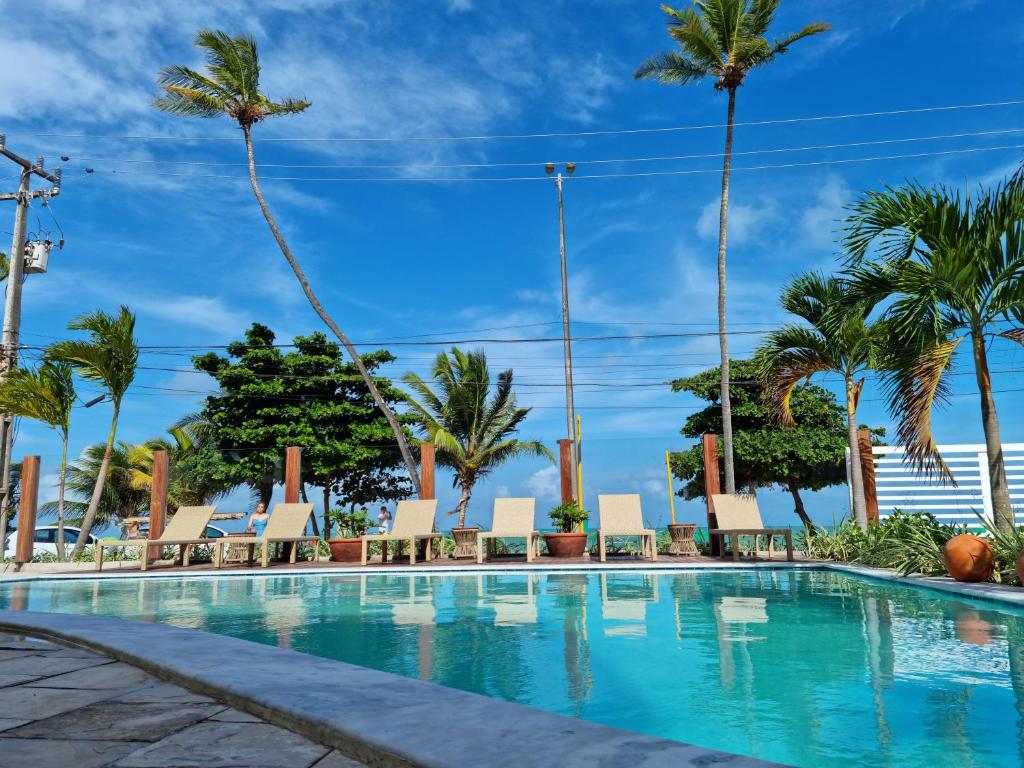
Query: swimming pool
x=807, y=668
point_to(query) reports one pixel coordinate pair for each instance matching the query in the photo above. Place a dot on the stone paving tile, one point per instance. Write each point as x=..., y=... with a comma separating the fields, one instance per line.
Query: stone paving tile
x=157, y=691
x=15, y=643
x=74, y=653
x=39, y=703
x=338, y=760
x=7, y=724
x=8, y=680
x=6, y=655
x=235, y=716
x=55, y=753
x=227, y=745
x=45, y=665
x=116, y=676
x=117, y=721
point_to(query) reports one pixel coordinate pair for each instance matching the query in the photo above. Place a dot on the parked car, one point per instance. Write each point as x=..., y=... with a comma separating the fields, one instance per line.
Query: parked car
x=45, y=542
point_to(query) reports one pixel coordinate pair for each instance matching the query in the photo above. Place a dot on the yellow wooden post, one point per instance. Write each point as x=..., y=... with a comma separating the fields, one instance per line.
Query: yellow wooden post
x=671, y=496
x=579, y=467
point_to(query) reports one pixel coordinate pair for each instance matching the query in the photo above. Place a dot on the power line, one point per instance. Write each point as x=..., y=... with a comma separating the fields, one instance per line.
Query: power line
x=540, y=164
x=553, y=135
x=577, y=177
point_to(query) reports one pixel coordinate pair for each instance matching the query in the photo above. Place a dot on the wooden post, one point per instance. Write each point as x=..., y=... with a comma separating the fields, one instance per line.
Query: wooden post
x=27, y=509
x=292, y=474
x=158, y=500
x=427, y=471
x=867, y=470
x=712, y=485
x=565, y=469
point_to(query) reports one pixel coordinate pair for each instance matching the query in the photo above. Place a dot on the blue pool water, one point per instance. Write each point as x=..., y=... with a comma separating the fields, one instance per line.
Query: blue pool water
x=807, y=668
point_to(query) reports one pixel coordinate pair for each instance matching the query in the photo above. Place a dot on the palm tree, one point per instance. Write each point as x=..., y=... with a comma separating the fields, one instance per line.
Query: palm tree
x=47, y=395
x=950, y=270
x=472, y=434
x=109, y=359
x=839, y=340
x=231, y=87
x=724, y=40
x=125, y=490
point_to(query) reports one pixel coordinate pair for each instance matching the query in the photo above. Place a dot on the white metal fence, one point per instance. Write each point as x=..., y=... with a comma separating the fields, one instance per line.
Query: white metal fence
x=900, y=487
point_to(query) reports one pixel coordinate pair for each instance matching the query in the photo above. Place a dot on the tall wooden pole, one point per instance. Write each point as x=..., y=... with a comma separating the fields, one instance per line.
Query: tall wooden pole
x=565, y=461
x=27, y=509
x=712, y=486
x=427, y=490
x=158, y=499
x=867, y=472
x=292, y=474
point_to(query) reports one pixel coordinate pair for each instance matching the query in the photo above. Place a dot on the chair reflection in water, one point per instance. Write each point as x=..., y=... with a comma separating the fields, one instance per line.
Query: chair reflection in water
x=513, y=598
x=624, y=601
x=399, y=594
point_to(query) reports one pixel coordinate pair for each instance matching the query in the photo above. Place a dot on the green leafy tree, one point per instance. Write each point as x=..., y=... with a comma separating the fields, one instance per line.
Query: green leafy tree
x=809, y=456
x=473, y=433
x=723, y=40
x=46, y=395
x=231, y=88
x=948, y=270
x=311, y=398
x=108, y=358
x=837, y=339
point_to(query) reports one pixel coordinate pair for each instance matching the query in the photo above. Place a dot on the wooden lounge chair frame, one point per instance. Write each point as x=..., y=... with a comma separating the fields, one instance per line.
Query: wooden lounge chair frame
x=414, y=521
x=282, y=527
x=183, y=531
x=512, y=519
x=738, y=515
x=620, y=515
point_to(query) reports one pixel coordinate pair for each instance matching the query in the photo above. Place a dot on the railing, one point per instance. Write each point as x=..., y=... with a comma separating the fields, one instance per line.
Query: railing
x=900, y=486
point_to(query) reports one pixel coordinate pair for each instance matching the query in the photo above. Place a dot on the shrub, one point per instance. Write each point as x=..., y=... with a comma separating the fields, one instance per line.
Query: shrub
x=567, y=517
x=351, y=524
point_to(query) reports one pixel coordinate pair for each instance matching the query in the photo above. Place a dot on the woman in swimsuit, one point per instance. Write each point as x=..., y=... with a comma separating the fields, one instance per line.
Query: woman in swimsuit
x=258, y=520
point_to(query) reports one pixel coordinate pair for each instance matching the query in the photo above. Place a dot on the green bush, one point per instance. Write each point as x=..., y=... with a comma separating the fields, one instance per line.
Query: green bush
x=351, y=525
x=567, y=517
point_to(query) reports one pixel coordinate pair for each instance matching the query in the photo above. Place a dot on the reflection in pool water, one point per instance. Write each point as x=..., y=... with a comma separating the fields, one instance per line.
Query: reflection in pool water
x=801, y=667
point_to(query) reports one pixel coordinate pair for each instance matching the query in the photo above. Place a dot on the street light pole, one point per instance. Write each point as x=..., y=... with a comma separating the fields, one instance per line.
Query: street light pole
x=570, y=408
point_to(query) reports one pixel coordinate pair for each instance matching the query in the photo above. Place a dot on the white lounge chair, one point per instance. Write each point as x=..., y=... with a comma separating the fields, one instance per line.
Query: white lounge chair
x=619, y=515
x=738, y=515
x=513, y=519
x=414, y=522
x=185, y=529
x=287, y=525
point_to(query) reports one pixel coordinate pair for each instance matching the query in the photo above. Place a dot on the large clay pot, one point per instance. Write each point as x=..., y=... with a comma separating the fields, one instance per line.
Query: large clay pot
x=1020, y=568
x=345, y=550
x=969, y=558
x=566, y=544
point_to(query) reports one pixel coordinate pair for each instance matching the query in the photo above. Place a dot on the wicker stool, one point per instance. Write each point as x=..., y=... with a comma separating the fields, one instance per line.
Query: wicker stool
x=682, y=539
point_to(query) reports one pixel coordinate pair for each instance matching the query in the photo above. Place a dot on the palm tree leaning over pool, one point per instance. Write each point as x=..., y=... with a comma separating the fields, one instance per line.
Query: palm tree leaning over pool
x=724, y=40
x=952, y=270
x=839, y=340
x=231, y=87
x=108, y=358
x=473, y=435
x=47, y=395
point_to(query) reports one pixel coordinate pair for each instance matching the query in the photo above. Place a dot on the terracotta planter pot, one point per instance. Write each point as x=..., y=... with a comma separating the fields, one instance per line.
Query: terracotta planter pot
x=344, y=550
x=1020, y=568
x=566, y=544
x=969, y=558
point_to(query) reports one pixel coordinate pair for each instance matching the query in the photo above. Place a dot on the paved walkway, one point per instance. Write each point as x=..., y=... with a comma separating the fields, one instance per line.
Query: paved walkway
x=68, y=707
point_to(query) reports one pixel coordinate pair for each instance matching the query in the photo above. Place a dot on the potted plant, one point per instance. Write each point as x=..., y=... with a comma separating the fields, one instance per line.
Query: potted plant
x=569, y=541
x=351, y=524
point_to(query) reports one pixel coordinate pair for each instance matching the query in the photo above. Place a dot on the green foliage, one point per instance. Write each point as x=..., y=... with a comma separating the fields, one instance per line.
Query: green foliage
x=473, y=434
x=908, y=543
x=351, y=523
x=809, y=456
x=568, y=517
x=1007, y=546
x=722, y=39
x=110, y=355
x=309, y=397
x=45, y=394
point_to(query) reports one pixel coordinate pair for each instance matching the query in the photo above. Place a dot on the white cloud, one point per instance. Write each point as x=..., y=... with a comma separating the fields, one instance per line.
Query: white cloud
x=459, y=6
x=821, y=222
x=544, y=484
x=745, y=221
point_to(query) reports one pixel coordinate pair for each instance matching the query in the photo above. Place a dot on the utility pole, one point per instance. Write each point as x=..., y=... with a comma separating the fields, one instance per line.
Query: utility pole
x=12, y=306
x=570, y=408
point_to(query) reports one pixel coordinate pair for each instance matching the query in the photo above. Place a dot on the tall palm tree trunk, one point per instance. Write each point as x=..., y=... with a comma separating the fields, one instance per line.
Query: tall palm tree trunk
x=60, y=500
x=860, y=507
x=1001, y=507
x=97, y=491
x=723, y=343
x=467, y=491
x=403, y=445
x=327, y=511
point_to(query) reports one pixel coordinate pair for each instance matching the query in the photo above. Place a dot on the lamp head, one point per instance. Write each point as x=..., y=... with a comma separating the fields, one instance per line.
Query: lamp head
x=570, y=168
x=549, y=168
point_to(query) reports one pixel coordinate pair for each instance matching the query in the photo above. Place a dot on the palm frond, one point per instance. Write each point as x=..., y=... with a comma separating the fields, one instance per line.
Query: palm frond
x=671, y=69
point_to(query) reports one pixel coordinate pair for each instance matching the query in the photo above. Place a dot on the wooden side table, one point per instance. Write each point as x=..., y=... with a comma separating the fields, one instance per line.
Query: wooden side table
x=683, y=542
x=239, y=553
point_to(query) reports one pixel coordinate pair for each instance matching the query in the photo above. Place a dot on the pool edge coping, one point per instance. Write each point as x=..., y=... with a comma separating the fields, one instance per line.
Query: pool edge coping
x=382, y=719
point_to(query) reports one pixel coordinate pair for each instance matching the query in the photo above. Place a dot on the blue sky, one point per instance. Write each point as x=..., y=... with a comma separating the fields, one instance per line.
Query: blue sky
x=189, y=253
